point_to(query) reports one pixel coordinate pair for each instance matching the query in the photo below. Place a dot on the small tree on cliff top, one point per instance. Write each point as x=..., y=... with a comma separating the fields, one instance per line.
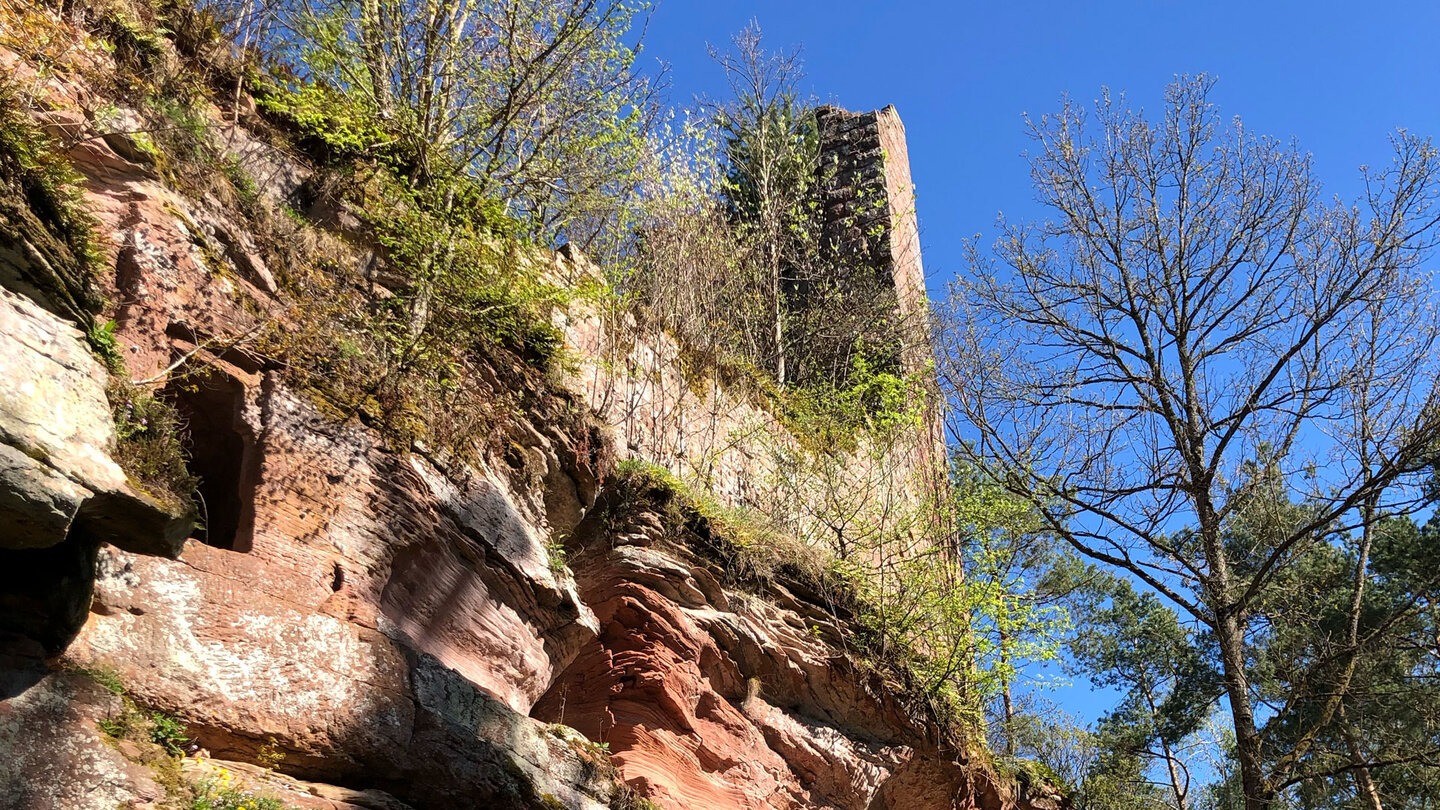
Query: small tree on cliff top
x=771, y=151
x=1197, y=325
x=539, y=103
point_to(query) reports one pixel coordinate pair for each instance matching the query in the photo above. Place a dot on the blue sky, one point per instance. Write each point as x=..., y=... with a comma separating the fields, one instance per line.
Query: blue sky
x=1338, y=77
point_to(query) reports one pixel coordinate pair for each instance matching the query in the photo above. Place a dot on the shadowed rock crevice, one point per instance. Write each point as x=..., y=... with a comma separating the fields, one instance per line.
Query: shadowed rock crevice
x=220, y=449
x=44, y=601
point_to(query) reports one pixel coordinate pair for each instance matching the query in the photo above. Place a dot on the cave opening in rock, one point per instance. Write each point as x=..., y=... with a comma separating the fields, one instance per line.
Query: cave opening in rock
x=218, y=445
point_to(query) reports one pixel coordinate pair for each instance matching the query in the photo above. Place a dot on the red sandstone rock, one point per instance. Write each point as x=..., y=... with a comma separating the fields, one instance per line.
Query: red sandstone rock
x=727, y=701
x=392, y=621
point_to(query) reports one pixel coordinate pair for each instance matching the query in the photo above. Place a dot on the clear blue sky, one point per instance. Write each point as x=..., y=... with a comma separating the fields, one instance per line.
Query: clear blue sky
x=1336, y=76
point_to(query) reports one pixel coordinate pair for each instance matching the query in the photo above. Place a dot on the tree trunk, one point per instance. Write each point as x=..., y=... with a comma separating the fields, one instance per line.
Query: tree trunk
x=1178, y=786
x=1364, y=783
x=1006, y=698
x=377, y=61
x=1231, y=638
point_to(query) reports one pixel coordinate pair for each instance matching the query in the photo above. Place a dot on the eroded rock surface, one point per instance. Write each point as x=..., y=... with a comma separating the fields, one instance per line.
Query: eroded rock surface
x=390, y=627
x=720, y=698
x=56, y=437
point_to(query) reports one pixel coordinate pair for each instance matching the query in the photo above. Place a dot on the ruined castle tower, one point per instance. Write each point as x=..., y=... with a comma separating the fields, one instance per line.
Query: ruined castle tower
x=869, y=225
x=872, y=240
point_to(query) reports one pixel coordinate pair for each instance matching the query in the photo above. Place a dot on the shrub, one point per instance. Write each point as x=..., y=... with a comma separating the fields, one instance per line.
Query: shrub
x=329, y=125
x=101, y=337
x=749, y=546
x=136, y=44
x=135, y=723
x=168, y=733
x=628, y=798
x=148, y=446
x=829, y=418
x=218, y=793
x=106, y=677
x=412, y=343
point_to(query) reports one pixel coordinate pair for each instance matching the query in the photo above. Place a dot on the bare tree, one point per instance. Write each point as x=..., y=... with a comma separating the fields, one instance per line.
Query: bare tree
x=1194, y=324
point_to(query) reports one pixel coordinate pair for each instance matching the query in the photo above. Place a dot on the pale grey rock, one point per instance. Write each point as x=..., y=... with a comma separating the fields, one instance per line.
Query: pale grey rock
x=277, y=175
x=37, y=503
x=57, y=436
x=71, y=766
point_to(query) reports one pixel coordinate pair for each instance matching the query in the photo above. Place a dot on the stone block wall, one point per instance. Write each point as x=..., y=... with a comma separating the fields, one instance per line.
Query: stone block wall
x=870, y=227
x=869, y=222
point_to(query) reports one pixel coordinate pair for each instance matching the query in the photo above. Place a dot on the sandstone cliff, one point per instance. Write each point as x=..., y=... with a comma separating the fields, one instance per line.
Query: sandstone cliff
x=363, y=624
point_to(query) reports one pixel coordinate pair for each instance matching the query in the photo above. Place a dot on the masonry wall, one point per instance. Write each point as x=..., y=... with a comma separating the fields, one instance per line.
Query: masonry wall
x=869, y=222
x=870, y=227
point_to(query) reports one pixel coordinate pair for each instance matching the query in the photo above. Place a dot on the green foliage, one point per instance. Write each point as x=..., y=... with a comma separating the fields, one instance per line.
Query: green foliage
x=244, y=184
x=185, y=129
x=826, y=417
x=106, y=677
x=539, y=105
x=149, y=449
x=931, y=628
x=41, y=205
x=467, y=274
x=217, y=794
x=133, y=41
x=168, y=733
x=555, y=554
x=744, y=541
x=101, y=337
x=771, y=148
x=135, y=723
x=459, y=283
x=331, y=125
x=270, y=755
x=733, y=258
x=646, y=485
x=1029, y=773
x=1390, y=709
x=459, y=296
x=112, y=726
x=1129, y=640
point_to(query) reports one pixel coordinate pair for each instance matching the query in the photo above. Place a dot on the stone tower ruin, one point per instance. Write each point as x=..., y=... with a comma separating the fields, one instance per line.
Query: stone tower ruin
x=869, y=225
x=871, y=237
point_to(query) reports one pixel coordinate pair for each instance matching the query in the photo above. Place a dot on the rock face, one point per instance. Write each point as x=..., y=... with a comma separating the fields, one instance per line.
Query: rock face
x=717, y=698
x=391, y=628
x=56, y=435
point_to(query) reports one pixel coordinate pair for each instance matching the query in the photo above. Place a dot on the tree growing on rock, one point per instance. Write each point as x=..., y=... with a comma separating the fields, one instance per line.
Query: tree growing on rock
x=539, y=103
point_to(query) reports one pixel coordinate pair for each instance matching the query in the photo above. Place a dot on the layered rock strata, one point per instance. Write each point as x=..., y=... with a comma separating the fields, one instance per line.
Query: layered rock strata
x=359, y=625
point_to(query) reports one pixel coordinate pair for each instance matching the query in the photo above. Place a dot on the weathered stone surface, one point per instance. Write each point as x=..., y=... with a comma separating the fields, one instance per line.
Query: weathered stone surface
x=53, y=410
x=53, y=755
x=293, y=793
x=343, y=702
x=56, y=435
x=37, y=502
x=275, y=173
x=715, y=436
x=719, y=699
